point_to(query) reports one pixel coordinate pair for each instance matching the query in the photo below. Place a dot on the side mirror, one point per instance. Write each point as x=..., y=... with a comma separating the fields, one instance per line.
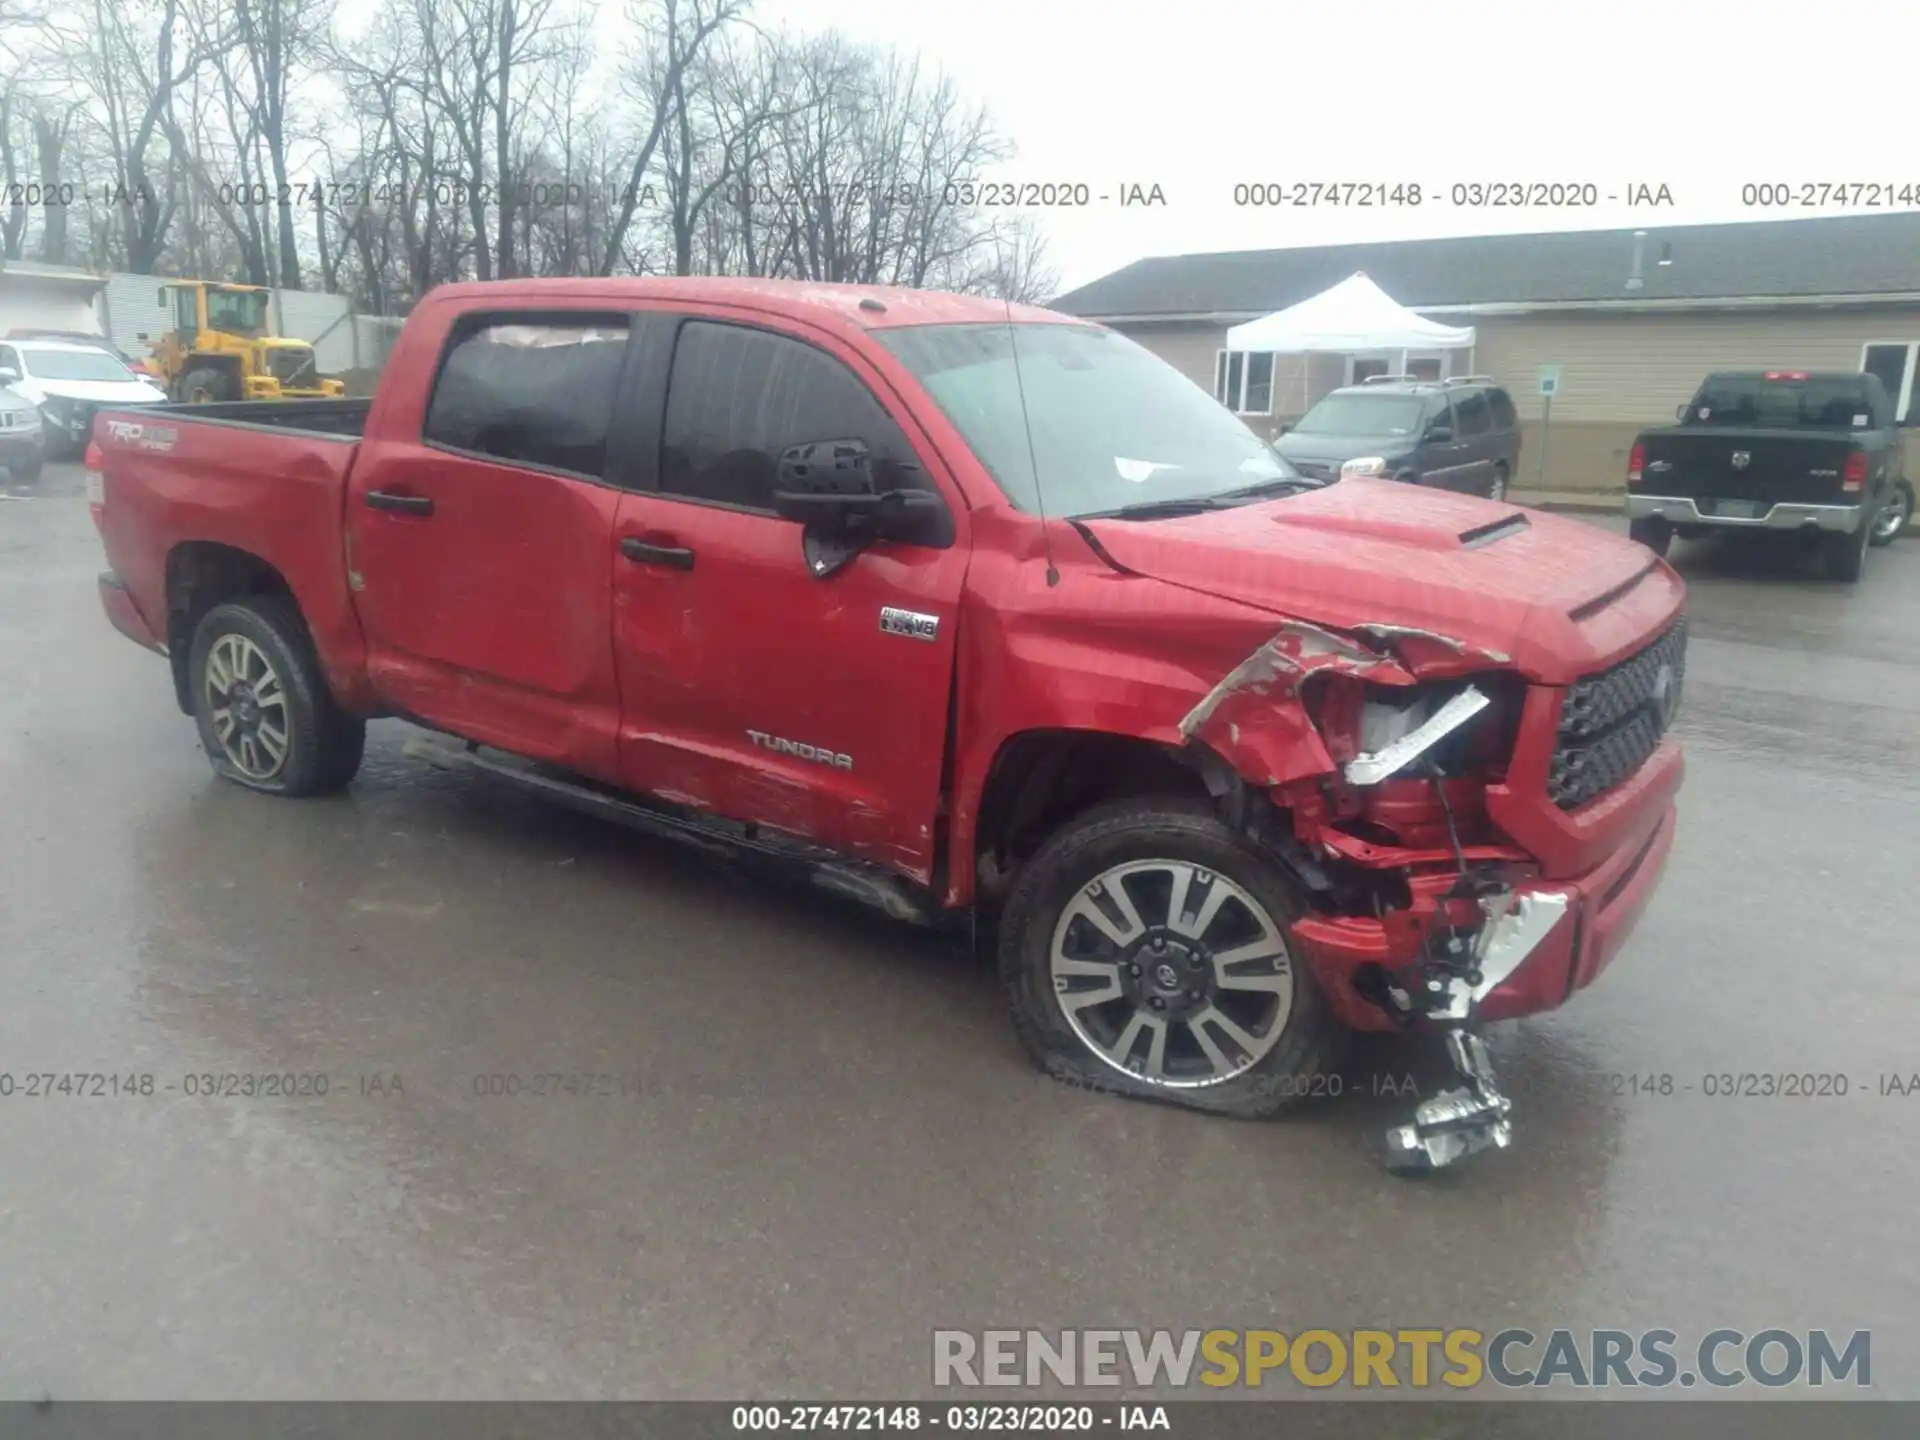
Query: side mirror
x=832, y=488
x=1440, y=433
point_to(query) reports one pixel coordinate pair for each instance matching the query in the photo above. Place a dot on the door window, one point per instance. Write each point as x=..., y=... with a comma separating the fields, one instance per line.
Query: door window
x=738, y=397
x=535, y=390
x=1471, y=413
x=1504, y=416
x=1438, y=415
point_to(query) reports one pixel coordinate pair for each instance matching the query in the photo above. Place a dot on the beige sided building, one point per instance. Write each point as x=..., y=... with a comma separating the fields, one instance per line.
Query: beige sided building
x=1836, y=293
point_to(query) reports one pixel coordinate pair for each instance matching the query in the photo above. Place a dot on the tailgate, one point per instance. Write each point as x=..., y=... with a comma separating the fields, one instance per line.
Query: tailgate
x=1765, y=467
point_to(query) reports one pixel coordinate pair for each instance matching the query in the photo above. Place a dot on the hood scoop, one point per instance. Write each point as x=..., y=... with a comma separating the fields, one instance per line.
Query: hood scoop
x=1505, y=529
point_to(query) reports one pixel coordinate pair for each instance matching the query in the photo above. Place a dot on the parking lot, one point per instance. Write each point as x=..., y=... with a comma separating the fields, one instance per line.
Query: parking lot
x=824, y=1142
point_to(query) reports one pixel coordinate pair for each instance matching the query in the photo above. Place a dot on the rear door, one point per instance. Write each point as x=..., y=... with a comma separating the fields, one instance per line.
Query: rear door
x=817, y=707
x=1506, y=429
x=1479, y=445
x=480, y=537
x=1441, y=447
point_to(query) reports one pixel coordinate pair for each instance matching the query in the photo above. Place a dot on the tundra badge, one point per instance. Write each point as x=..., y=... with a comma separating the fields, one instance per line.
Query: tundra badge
x=911, y=623
x=819, y=754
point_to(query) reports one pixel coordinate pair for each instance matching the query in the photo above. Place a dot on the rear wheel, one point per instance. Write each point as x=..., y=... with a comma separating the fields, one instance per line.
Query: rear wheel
x=1847, y=554
x=1497, y=487
x=1144, y=949
x=266, y=717
x=1653, y=532
x=1895, y=517
x=25, y=470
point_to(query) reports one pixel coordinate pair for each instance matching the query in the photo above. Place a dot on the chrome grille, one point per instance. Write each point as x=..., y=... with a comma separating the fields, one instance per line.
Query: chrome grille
x=1611, y=722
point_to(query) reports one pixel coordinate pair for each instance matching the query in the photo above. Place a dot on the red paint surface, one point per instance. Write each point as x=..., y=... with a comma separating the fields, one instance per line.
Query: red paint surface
x=510, y=617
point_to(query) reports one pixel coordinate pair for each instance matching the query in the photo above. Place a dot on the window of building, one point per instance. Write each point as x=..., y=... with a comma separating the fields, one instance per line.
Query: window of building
x=1243, y=381
x=530, y=390
x=1897, y=363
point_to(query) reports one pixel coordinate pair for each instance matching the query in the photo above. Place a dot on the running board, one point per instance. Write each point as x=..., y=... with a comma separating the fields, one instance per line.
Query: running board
x=868, y=884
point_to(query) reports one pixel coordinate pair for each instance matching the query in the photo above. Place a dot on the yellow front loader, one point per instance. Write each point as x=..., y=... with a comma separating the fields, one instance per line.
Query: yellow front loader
x=219, y=349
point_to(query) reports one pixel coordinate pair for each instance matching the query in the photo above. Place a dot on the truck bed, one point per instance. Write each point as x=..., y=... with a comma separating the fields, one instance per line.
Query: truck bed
x=345, y=419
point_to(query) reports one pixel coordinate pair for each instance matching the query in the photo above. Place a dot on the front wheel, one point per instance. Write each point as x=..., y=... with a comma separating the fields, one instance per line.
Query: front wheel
x=1895, y=517
x=26, y=471
x=266, y=717
x=1145, y=950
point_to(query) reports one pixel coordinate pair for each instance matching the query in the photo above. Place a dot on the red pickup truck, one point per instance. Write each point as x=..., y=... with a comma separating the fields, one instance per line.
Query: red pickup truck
x=962, y=608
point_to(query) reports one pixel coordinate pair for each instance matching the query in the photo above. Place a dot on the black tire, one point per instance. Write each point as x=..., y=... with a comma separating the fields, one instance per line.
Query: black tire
x=26, y=470
x=1307, y=1043
x=1653, y=532
x=205, y=384
x=1895, y=518
x=1497, y=486
x=1847, y=554
x=322, y=744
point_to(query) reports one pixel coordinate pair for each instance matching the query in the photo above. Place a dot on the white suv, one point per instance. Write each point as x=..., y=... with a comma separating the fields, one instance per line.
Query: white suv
x=69, y=383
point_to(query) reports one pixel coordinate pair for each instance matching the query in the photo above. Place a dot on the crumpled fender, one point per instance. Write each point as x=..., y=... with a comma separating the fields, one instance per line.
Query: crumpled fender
x=1256, y=719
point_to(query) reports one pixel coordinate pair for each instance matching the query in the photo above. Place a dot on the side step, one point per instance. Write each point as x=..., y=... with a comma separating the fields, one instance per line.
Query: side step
x=868, y=884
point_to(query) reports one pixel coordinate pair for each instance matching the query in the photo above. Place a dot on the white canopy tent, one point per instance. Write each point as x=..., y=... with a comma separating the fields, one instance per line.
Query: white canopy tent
x=1355, y=316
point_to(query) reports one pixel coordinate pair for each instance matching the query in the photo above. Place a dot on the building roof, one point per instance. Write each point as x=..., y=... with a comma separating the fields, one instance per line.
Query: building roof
x=1855, y=256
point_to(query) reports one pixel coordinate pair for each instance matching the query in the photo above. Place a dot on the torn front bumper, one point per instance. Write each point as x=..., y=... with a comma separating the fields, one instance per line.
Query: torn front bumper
x=1556, y=937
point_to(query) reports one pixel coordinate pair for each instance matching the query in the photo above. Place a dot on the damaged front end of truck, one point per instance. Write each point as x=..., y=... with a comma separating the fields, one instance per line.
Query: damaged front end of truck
x=1369, y=762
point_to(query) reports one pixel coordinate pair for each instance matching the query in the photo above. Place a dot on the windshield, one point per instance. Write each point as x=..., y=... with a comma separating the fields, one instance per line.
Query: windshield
x=1834, y=402
x=243, y=311
x=1350, y=413
x=1111, y=423
x=74, y=365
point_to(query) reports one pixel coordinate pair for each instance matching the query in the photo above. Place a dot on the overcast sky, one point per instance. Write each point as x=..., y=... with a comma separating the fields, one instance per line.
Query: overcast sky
x=1199, y=95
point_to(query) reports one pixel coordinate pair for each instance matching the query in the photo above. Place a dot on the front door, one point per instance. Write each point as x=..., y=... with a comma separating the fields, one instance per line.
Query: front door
x=750, y=686
x=481, y=550
x=1473, y=428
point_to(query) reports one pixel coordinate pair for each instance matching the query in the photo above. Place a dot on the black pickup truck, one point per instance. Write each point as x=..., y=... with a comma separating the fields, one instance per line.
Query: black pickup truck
x=1784, y=450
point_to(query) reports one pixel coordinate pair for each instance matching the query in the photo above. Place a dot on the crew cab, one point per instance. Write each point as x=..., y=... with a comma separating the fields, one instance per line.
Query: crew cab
x=964, y=609
x=1810, y=453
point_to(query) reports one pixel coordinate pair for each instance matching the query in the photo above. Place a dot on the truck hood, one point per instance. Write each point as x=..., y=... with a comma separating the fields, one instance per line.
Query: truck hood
x=1340, y=448
x=111, y=392
x=1552, y=597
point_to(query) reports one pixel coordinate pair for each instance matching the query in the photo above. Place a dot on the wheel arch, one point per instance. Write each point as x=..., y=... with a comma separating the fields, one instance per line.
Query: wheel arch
x=200, y=575
x=1041, y=778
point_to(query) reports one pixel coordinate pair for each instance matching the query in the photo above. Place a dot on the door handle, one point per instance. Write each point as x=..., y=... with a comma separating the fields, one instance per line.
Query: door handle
x=675, y=557
x=404, y=504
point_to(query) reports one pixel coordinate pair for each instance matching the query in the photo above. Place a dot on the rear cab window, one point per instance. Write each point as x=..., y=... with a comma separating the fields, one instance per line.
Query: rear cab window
x=1788, y=400
x=530, y=389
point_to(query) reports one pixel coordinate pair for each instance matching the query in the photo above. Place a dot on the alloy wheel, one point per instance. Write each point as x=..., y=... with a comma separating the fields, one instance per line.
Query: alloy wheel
x=248, y=707
x=1172, y=973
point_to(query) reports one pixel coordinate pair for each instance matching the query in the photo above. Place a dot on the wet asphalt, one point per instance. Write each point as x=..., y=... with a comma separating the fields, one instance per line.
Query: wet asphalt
x=829, y=1143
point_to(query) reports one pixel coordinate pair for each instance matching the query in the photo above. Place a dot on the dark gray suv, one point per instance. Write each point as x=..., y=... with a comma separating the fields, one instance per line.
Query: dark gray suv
x=1458, y=434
